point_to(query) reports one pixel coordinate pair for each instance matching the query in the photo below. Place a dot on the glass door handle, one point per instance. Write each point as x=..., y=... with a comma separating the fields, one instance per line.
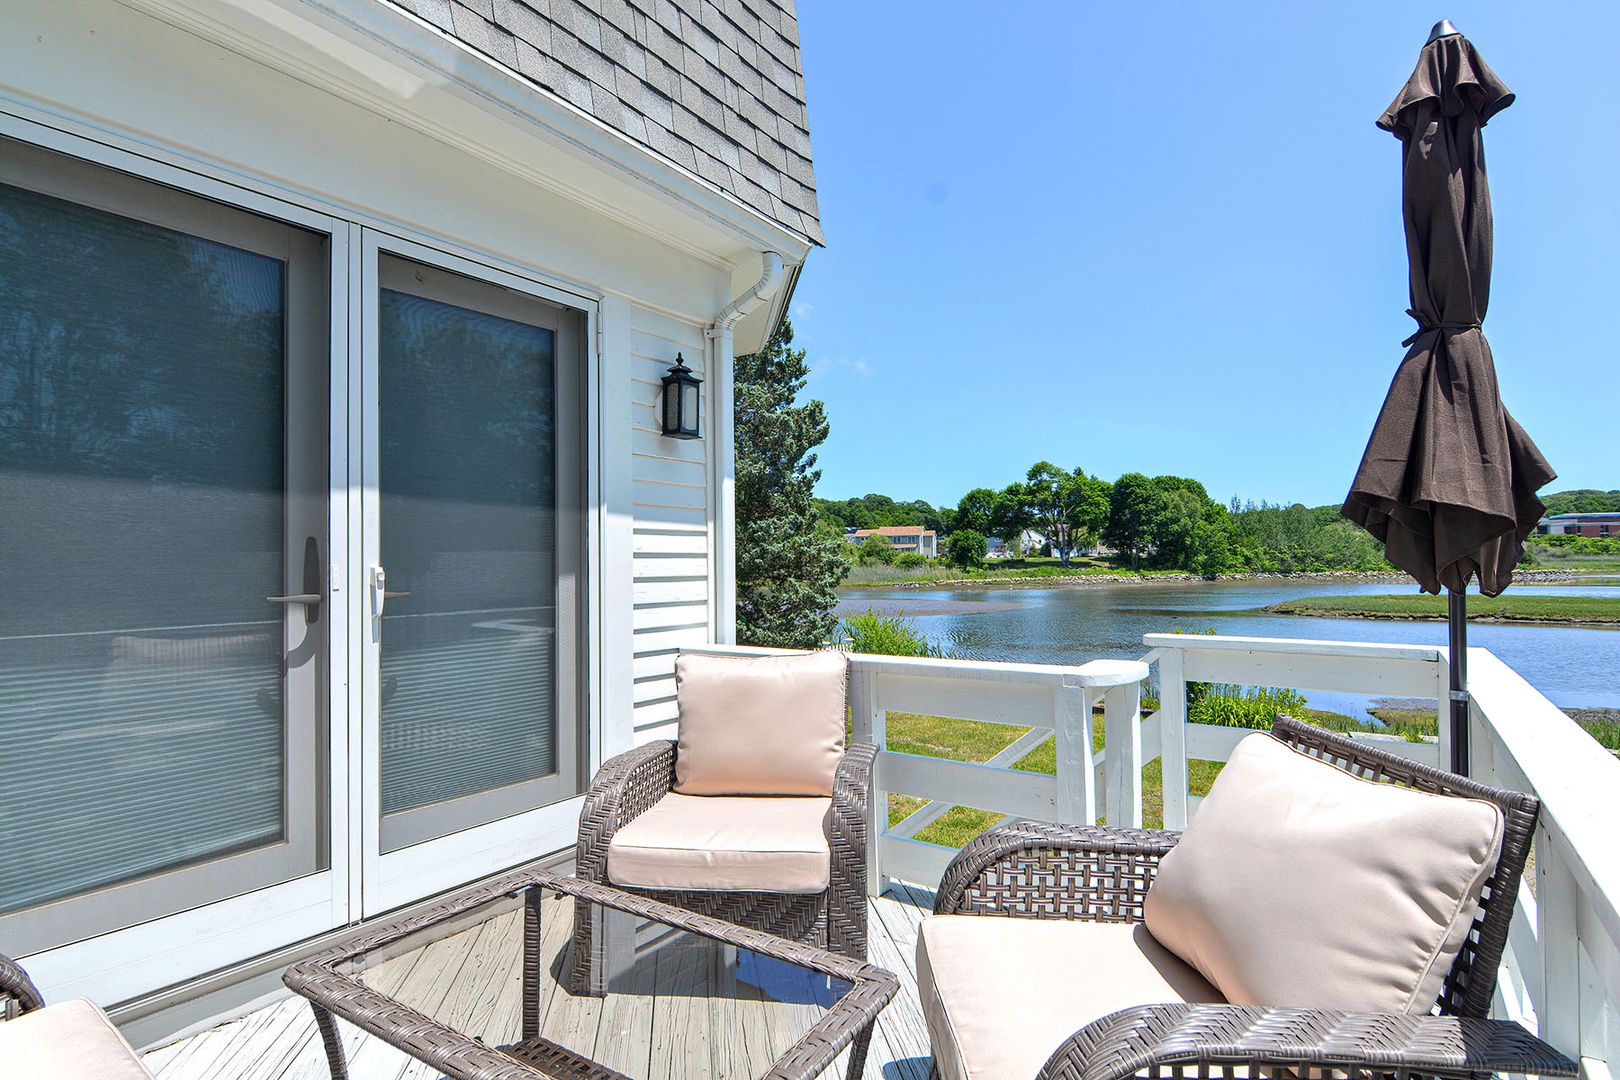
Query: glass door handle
x=379, y=600
x=311, y=596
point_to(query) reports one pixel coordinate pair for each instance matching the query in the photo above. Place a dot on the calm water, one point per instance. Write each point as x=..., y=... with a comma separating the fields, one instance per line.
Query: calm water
x=1573, y=667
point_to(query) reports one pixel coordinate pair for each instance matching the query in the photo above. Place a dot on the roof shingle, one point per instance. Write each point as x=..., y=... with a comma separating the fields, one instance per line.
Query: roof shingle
x=714, y=86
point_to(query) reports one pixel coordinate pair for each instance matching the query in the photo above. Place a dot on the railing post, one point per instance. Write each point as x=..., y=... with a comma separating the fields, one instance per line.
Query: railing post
x=1071, y=720
x=1442, y=692
x=1558, y=1013
x=868, y=725
x=1121, y=684
x=1122, y=727
x=1173, y=732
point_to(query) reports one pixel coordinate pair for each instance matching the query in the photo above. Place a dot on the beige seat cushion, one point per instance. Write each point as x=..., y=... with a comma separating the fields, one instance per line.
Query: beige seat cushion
x=760, y=725
x=71, y=1040
x=1001, y=994
x=1299, y=884
x=725, y=844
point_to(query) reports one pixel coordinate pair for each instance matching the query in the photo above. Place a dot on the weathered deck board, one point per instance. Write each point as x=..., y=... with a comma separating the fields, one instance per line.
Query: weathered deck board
x=662, y=1026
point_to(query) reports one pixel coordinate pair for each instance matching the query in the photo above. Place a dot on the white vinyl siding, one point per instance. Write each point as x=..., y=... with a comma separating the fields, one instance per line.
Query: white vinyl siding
x=671, y=490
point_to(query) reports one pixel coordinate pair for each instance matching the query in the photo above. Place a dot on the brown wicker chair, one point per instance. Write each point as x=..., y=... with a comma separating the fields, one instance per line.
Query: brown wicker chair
x=834, y=919
x=17, y=991
x=1098, y=873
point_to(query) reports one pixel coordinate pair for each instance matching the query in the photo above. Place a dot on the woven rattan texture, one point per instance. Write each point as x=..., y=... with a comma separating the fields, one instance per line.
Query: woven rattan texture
x=1046, y=871
x=331, y=992
x=1231, y=1041
x=835, y=919
x=17, y=991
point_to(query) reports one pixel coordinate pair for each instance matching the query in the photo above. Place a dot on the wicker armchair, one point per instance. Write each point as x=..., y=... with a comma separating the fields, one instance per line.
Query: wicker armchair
x=17, y=991
x=835, y=918
x=1103, y=874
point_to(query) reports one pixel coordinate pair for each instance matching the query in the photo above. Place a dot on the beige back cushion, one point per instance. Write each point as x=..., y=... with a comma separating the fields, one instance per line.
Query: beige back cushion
x=1299, y=884
x=760, y=725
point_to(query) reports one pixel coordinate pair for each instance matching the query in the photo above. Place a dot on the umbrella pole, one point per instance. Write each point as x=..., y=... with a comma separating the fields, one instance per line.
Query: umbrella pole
x=1457, y=611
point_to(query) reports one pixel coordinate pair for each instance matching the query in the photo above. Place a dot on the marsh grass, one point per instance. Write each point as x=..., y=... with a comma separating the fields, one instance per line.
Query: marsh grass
x=995, y=570
x=887, y=635
x=1602, y=724
x=1508, y=608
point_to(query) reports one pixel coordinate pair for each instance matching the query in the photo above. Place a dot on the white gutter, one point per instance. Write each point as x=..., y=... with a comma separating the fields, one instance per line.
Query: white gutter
x=762, y=290
x=723, y=451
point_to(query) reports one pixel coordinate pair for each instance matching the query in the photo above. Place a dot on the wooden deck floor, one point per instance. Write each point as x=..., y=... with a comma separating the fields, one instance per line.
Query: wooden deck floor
x=280, y=1042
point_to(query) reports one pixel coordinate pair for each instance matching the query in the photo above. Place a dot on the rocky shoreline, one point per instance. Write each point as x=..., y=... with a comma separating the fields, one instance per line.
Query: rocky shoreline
x=1126, y=578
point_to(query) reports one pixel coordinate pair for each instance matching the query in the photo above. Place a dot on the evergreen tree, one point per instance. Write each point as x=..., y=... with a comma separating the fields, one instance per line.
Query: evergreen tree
x=786, y=570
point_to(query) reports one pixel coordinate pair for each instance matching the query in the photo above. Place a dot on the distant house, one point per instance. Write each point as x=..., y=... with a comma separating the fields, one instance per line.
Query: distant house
x=1029, y=540
x=904, y=538
x=1605, y=524
x=340, y=541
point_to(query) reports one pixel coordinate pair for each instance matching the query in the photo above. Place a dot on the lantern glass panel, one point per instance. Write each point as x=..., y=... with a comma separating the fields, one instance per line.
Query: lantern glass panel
x=672, y=408
x=689, y=407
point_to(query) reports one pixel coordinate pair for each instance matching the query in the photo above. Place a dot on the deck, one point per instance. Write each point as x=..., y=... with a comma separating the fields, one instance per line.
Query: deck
x=280, y=1042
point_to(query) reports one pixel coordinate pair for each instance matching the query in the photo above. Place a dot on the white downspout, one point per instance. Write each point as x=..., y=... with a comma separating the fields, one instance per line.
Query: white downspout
x=723, y=448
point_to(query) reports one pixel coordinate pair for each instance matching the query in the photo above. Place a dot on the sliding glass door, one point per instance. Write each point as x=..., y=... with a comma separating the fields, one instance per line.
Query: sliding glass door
x=289, y=635
x=163, y=544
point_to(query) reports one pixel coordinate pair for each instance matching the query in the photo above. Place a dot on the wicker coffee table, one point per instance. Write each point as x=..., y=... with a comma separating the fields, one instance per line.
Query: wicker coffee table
x=477, y=987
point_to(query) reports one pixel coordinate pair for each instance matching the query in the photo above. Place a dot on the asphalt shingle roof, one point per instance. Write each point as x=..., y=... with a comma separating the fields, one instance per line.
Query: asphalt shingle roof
x=712, y=85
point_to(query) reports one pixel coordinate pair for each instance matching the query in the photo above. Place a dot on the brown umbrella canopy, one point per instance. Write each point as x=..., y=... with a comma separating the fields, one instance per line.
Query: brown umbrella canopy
x=1448, y=481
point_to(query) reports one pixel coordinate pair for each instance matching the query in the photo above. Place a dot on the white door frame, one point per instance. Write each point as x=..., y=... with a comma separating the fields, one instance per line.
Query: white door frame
x=388, y=881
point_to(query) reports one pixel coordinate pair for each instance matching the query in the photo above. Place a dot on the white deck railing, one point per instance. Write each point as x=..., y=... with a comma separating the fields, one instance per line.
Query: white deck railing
x=1053, y=701
x=1400, y=671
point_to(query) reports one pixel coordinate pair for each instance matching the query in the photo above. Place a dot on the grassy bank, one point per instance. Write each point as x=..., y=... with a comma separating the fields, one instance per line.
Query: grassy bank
x=1577, y=610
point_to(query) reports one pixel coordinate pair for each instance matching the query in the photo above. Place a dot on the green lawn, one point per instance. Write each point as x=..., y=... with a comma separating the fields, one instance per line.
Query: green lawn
x=1507, y=608
x=973, y=740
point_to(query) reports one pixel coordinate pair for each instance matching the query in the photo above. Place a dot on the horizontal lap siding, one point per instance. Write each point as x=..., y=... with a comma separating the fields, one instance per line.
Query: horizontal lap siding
x=671, y=496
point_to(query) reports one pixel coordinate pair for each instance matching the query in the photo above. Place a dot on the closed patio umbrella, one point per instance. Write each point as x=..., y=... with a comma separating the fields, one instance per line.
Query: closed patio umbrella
x=1449, y=480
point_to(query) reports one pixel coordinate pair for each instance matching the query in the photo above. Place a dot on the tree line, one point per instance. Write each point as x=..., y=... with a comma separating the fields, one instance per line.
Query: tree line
x=1144, y=522
x=1584, y=501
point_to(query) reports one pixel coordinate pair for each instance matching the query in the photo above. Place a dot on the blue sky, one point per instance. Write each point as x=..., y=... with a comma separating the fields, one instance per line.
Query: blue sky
x=1167, y=238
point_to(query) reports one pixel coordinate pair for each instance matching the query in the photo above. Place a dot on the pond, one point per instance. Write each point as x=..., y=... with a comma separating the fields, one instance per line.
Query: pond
x=1574, y=667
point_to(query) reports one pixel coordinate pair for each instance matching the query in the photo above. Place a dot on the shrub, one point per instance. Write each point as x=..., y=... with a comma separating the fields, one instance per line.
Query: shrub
x=1254, y=708
x=967, y=548
x=876, y=549
x=909, y=559
x=888, y=635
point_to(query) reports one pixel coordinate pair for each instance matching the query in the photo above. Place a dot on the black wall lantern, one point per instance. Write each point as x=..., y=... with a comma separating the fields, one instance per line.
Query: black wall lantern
x=681, y=401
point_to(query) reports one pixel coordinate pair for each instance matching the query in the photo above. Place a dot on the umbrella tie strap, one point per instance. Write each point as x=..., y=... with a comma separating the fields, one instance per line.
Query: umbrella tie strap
x=1425, y=327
